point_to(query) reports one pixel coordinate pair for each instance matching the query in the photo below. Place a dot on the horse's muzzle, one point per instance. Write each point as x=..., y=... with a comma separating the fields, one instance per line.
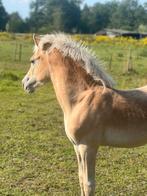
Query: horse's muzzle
x=29, y=84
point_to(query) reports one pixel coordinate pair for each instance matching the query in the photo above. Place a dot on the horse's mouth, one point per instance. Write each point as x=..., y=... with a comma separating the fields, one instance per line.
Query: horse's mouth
x=29, y=89
x=30, y=85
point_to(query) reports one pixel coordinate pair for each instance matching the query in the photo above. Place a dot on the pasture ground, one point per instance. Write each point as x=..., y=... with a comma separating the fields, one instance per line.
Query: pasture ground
x=36, y=156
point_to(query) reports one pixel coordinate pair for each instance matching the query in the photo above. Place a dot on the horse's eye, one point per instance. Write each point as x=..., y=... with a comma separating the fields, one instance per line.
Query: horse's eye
x=32, y=61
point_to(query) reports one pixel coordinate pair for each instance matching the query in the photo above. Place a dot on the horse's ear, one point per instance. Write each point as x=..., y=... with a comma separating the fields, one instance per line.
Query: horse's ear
x=36, y=39
x=46, y=46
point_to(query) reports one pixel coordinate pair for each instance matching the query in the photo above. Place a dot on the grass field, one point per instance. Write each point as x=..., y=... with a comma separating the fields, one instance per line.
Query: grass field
x=36, y=156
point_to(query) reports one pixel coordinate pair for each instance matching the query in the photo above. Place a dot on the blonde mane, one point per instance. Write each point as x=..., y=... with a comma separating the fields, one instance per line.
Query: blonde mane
x=78, y=52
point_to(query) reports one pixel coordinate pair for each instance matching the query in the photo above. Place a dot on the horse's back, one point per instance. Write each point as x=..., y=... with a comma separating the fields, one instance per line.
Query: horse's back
x=136, y=97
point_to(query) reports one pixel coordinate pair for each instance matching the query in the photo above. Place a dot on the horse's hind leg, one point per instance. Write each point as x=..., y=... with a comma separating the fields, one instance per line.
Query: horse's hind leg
x=88, y=159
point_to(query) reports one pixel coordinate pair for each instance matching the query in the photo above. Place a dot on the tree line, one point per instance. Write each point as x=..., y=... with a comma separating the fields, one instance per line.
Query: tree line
x=73, y=17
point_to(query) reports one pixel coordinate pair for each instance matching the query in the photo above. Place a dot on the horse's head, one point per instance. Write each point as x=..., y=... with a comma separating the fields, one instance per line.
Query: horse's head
x=38, y=73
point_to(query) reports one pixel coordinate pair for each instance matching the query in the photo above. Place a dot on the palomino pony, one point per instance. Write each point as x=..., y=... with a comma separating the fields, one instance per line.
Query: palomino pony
x=94, y=113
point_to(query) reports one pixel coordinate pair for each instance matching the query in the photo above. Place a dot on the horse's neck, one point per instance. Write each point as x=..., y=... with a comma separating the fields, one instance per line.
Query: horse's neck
x=61, y=92
x=68, y=84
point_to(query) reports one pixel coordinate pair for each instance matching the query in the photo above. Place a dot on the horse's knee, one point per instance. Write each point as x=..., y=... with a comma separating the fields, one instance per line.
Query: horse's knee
x=89, y=187
x=89, y=184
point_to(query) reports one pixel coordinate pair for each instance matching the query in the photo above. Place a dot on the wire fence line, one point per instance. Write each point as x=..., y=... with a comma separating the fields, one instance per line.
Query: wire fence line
x=126, y=58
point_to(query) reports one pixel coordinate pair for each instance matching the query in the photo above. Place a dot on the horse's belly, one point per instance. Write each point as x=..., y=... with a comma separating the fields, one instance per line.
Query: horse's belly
x=125, y=138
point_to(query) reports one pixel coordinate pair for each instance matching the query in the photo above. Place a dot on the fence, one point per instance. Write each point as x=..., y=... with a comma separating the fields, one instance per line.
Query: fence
x=125, y=58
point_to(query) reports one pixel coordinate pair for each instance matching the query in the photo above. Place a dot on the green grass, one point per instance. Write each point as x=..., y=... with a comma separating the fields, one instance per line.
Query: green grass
x=36, y=156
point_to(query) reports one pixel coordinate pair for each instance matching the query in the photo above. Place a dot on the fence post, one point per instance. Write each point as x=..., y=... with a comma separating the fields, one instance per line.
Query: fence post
x=110, y=62
x=129, y=63
x=20, y=52
x=15, y=52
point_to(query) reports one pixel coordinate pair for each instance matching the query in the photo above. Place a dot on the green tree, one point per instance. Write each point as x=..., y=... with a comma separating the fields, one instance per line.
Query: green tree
x=129, y=15
x=16, y=23
x=97, y=17
x=37, y=18
x=63, y=15
x=85, y=25
x=3, y=17
x=69, y=16
x=100, y=16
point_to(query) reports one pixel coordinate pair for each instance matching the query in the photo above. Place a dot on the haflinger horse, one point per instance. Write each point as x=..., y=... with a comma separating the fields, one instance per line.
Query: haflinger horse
x=95, y=114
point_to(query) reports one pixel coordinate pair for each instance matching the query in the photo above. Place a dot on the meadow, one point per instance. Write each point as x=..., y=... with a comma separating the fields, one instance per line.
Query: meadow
x=36, y=156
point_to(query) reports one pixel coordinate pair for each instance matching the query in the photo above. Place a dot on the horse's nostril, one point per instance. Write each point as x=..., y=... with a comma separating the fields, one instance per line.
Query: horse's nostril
x=24, y=81
x=26, y=87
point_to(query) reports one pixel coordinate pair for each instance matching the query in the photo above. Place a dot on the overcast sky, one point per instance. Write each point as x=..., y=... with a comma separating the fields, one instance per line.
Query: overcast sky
x=22, y=6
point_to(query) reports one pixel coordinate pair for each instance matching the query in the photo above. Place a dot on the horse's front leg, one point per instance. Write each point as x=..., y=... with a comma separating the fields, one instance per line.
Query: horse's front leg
x=88, y=159
x=80, y=169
